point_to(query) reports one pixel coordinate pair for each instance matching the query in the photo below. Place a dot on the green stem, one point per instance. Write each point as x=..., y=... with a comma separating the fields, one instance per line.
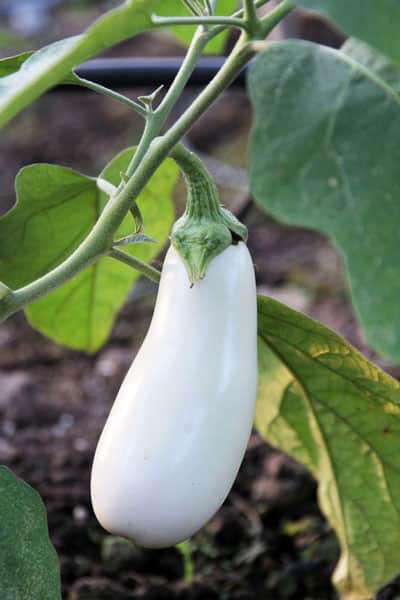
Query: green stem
x=99, y=241
x=194, y=6
x=96, y=87
x=250, y=15
x=210, y=8
x=190, y=7
x=275, y=16
x=205, y=229
x=147, y=270
x=151, y=130
x=188, y=564
x=202, y=197
x=226, y=21
x=217, y=29
x=240, y=55
x=157, y=119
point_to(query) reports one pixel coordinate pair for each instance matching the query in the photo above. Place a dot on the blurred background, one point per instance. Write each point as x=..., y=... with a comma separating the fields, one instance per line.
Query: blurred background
x=269, y=539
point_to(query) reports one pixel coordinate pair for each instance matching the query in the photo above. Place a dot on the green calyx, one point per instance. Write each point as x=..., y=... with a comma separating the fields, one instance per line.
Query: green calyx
x=205, y=228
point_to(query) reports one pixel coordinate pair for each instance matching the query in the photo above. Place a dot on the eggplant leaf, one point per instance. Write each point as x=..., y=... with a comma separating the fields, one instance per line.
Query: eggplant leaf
x=35, y=73
x=28, y=562
x=325, y=154
x=377, y=23
x=56, y=208
x=326, y=405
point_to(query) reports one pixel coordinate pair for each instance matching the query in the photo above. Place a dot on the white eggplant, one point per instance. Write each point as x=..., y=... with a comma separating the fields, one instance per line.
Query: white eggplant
x=178, y=430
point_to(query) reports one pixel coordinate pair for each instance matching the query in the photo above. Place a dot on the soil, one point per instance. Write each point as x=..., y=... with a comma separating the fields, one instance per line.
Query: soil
x=269, y=540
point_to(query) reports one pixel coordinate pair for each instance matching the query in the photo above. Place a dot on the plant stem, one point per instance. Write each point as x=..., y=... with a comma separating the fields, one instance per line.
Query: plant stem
x=188, y=565
x=217, y=29
x=190, y=7
x=226, y=21
x=147, y=270
x=240, y=55
x=101, y=89
x=275, y=16
x=99, y=241
x=152, y=152
x=250, y=15
x=157, y=119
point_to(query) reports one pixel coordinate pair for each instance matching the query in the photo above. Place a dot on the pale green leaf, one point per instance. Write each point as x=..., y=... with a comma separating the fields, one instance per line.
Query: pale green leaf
x=327, y=406
x=374, y=22
x=56, y=209
x=52, y=64
x=371, y=59
x=325, y=154
x=29, y=568
x=184, y=33
x=11, y=64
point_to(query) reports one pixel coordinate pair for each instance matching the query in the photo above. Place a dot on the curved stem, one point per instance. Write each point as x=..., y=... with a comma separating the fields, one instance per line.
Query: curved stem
x=147, y=270
x=205, y=229
x=226, y=21
x=157, y=119
x=99, y=241
x=241, y=54
x=101, y=89
x=275, y=16
x=202, y=198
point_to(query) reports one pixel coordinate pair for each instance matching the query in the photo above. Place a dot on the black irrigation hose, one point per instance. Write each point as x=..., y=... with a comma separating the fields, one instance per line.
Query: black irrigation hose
x=148, y=72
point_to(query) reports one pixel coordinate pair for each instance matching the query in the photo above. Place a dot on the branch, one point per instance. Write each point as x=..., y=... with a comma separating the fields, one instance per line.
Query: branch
x=275, y=16
x=226, y=21
x=101, y=89
x=250, y=15
x=147, y=270
x=158, y=117
x=100, y=240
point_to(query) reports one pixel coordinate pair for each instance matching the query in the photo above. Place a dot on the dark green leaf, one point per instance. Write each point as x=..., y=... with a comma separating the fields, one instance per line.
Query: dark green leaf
x=323, y=403
x=29, y=567
x=374, y=61
x=325, y=154
x=175, y=8
x=374, y=22
x=56, y=209
x=53, y=64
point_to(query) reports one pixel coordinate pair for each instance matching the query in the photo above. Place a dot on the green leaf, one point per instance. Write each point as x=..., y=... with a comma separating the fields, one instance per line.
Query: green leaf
x=134, y=238
x=374, y=22
x=325, y=155
x=28, y=562
x=327, y=406
x=374, y=61
x=11, y=64
x=26, y=76
x=56, y=208
x=52, y=64
x=184, y=33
